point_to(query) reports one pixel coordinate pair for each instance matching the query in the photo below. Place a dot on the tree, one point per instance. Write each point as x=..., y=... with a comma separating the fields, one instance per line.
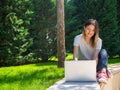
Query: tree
x=43, y=29
x=118, y=15
x=109, y=26
x=71, y=29
x=14, y=36
x=61, y=32
x=118, y=10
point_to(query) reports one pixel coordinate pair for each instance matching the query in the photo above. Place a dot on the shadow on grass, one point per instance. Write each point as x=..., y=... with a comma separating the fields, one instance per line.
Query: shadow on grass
x=50, y=63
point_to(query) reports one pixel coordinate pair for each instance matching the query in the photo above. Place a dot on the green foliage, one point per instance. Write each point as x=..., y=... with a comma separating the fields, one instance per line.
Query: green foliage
x=109, y=27
x=71, y=29
x=14, y=36
x=104, y=11
x=118, y=15
x=43, y=29
x=24, y=20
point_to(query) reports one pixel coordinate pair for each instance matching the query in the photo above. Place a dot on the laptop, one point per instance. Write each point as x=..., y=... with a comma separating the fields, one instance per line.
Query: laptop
x=81, y=70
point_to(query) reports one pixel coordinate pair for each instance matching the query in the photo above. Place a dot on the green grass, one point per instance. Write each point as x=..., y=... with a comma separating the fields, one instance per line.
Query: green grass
x=30, y=77
x=34, y=76
x=113, y=61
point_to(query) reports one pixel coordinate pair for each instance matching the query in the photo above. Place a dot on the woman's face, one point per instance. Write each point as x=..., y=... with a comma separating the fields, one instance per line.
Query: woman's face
x=89, y=31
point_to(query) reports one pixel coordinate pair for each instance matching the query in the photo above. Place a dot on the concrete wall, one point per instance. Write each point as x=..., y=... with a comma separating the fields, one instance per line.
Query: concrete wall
x=114, y=82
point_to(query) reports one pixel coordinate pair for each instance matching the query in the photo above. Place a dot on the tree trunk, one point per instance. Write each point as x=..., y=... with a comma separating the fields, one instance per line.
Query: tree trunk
x=61, y=33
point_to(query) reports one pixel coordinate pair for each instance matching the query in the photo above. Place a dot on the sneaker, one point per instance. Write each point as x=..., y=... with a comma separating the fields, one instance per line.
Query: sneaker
x=102, y=77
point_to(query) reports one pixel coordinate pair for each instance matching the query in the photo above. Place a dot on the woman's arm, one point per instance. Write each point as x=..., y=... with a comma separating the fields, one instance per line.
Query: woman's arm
x=95, y=56
x=75, y=53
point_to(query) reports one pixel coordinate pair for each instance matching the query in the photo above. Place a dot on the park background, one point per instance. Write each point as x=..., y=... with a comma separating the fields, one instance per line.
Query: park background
x=28, y=35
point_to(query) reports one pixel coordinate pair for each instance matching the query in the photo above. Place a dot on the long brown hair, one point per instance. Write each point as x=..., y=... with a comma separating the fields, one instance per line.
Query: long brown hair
x=94, y=38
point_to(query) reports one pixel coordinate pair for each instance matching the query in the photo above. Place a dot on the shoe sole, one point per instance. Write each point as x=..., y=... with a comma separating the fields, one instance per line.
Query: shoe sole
x=103, y=81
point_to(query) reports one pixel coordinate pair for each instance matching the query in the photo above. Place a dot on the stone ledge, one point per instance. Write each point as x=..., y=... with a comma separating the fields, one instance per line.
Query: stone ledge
x=113, y=83
x=115, y=69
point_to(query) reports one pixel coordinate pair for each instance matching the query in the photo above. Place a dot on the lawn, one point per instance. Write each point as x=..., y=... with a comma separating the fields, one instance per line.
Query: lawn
x=30, y=77
x=33, y=76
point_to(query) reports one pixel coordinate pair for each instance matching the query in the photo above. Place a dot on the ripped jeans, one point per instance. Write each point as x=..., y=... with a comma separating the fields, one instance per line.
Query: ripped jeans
x=102, y=60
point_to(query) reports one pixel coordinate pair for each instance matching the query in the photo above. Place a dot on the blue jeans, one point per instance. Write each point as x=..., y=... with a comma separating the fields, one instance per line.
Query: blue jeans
x=102, y=60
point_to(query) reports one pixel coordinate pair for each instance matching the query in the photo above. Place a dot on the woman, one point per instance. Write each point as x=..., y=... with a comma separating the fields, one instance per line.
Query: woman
x=87, y=46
